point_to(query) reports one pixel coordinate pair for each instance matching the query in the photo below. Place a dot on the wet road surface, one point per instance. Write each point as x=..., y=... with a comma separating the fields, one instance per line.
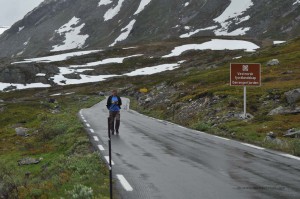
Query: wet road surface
x=160, y=160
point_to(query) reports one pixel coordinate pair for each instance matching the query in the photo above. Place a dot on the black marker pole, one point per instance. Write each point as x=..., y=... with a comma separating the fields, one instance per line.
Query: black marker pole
x=110, y=166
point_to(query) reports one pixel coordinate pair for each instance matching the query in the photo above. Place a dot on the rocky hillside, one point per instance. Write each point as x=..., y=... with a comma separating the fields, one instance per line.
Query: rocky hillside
x=58, y=25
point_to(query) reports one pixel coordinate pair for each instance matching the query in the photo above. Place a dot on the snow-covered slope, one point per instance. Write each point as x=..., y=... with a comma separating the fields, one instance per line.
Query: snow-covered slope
x=86, y=72
x=3, y=28
x=75, y=24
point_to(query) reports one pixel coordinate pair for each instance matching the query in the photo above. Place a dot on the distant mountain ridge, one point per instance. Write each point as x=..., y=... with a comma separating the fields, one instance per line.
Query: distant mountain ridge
x=57, y=25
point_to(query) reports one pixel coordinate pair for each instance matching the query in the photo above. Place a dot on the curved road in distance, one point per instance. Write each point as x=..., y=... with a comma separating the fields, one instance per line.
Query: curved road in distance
x=160, y=160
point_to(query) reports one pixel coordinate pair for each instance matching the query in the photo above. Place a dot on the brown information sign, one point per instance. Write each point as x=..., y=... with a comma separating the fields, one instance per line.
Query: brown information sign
x=245, y=74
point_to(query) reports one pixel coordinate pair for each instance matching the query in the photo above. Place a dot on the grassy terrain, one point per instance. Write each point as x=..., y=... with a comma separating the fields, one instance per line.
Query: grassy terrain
x=68, y=161
x=205, y=74
x=59, y=140
x=199, y=83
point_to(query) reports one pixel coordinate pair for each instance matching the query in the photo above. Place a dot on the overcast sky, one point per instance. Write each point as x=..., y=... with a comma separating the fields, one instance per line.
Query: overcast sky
x=13, y=10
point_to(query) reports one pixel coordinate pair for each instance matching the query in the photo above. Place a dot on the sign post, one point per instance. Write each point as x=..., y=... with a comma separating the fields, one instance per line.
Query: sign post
x=245, y=74
x=109, y=162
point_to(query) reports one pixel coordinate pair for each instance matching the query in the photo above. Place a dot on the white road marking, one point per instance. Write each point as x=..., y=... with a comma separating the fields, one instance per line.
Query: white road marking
x=221, y=138
x=290, y=156
x=84, y=120
x=107, y=159
x=92, y=130
x=124, y=183
x=101, y=148
x=88, y=125
x=96, y=138
x=253, y=146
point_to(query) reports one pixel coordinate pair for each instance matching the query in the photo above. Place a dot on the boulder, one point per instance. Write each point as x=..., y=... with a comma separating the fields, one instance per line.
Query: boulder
x=28, y=161
x=21, y=131
x=10, y=88
x=277, y=111
x=101, y=93
x=273, y=62
x=147, y=100
x=287, y=72
x=85, y=98
x=292, y=96
x=285, y=110
x=271, y=135
x=271, y=138
x=292, y=133
x=55, y=111
x=72, y=76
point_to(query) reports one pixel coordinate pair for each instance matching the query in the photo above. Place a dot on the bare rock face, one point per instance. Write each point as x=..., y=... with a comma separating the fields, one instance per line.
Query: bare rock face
x=273, y=62
x=28, y=161
x=292, y=96
x=292, y=133
x=36, y=33
x=26, y=73
x=285, y=110
x=272, y=138
x=21, y=131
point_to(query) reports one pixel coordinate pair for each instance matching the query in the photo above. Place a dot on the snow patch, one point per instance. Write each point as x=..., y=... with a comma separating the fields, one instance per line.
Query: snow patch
x=239, y=57
x=125, y=32
x=104, y=2
x=296, y=2
x=112, y=12
x=142, y=6
x=186, y=4
x=23, y=86
x=60, y=79
x=117, y=60
x=55, y=58
x=27, y=42
x=215, y=44
x=21, y=28
x=196, y=31
x=40, y=75
x=73, y=39
x=279, y=42
x=239, y=31
x=231, y=15
x=153, y=69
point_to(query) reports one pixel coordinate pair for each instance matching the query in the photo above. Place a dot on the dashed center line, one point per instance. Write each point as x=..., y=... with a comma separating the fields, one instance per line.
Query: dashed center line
x=92, y=130
x=88, y=125
x=124, y=183
x=96, y=138
x=101, y=148
x=107, y=159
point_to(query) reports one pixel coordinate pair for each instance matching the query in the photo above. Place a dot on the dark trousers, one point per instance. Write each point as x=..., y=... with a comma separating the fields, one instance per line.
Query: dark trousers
x=114, y=115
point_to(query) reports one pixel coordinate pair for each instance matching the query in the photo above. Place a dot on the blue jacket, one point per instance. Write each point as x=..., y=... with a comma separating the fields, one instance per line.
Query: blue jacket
x=109, y=104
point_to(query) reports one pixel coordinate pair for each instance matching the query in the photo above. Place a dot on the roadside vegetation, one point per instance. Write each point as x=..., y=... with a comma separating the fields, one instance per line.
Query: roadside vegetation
x=196, y=95
x=213, y=104
x=68, y=166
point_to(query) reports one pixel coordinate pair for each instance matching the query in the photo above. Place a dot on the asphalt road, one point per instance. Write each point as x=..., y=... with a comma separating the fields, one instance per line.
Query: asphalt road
x=157, y=159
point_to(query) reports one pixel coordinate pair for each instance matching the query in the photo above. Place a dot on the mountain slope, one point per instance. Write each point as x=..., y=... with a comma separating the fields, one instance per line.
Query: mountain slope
x=63, y=25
